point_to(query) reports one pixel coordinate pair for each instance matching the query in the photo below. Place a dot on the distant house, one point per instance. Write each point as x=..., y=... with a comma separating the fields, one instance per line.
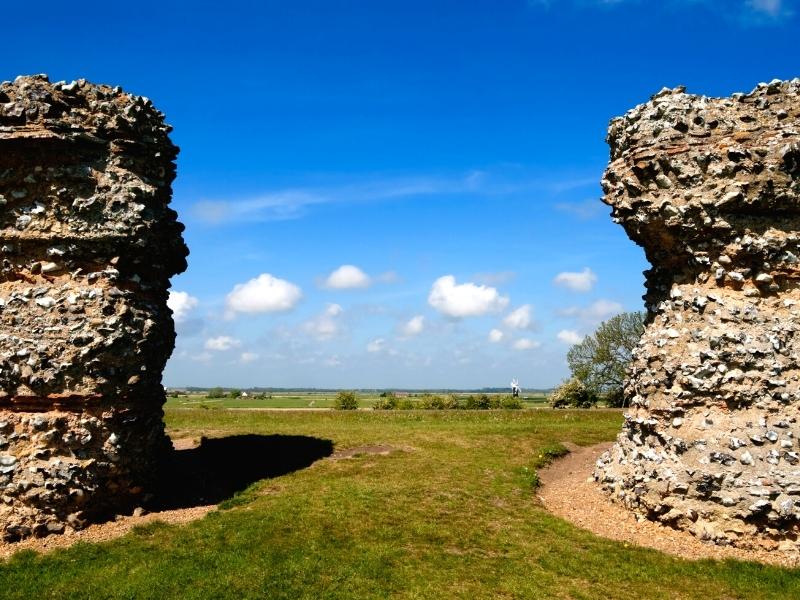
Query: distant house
x=401, y=394
x=245, y=394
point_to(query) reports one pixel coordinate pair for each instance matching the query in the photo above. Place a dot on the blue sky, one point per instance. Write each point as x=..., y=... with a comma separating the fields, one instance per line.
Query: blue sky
x=398, y=194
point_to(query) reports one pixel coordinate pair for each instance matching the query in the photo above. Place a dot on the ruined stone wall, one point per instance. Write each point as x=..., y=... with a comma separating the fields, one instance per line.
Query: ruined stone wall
x=710, y=188
x=88, y=244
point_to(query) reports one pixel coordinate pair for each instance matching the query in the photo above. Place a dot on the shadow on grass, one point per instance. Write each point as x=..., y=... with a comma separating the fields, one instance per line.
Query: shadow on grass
x=221, y=467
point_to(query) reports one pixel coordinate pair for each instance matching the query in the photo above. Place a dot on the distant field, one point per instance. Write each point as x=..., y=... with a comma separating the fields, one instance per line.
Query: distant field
x=450, y=512
x=305, y=400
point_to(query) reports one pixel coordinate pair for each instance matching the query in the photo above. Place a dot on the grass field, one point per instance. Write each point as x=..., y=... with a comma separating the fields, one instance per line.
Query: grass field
x=451, y=513
x=303, y=400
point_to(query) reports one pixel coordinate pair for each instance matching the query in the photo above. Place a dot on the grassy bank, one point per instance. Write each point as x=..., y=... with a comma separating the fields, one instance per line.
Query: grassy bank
x=450, y=513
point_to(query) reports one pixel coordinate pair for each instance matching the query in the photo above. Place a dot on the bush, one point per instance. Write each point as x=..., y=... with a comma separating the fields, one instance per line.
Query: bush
x=216, y=392
x=451, y=403
x=345, y=401
x=387, y=402
x=481, y=402
x=573, y=394
x=235, y=393
x=511, y=403
x=406, y=404
x=431, y=402
x=614, y=398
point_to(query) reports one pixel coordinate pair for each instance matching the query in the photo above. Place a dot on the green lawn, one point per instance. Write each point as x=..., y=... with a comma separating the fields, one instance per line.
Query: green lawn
x=451, y=514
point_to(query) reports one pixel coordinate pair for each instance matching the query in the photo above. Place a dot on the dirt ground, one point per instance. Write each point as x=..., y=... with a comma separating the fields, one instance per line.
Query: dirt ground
x=569, y=491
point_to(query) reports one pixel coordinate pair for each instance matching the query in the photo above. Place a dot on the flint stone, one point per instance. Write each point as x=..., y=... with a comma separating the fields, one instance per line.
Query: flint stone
x=717, y=212
x=88, y=243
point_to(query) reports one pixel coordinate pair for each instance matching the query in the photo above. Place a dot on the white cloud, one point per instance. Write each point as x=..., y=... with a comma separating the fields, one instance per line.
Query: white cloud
x=569, y=336
x=464, y=300
x=495, y=336
x=181, y=304
x=222, y=343
x=582, y=281
x=519, y=318
x=296, y=202
x=326, y=325
x=248, y=357
x=596, y=312
x=347, y=277
x=414, y=326
x=526, y=344
x=264, y=294
x=376, y=345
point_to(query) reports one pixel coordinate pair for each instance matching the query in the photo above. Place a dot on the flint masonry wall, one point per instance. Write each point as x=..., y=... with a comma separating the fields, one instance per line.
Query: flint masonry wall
x=710, y=188
x=88, y=244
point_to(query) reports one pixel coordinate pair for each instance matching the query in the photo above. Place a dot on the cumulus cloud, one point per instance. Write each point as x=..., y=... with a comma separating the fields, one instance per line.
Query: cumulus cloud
x=181, y=304
x=347, y=277
x=569, y=336
x=413, y=326
x=464, y=300
x=599, y=310
x=520, y=318
x=582, y=281
x=376, y=345
x=325, y=325
x=222, y=343
x=264, y=294
x=248, y=357
x=496, y=336
x=526, y=344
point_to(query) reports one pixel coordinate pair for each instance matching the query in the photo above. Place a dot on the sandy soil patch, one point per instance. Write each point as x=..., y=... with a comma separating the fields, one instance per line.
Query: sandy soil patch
x=568, y=491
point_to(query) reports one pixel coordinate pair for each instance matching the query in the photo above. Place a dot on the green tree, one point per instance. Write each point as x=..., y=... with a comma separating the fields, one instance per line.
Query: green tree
x=573, y=394
x=600, y=361
x=216, y=392
x=235, y=393
x=345, y=401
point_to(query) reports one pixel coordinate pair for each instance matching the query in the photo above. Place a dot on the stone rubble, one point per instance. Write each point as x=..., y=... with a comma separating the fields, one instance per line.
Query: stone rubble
x=710, y=188
x=88, y=244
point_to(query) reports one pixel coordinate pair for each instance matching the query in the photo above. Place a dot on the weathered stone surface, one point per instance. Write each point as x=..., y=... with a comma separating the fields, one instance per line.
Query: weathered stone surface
x=88, y=244
x=710, y=188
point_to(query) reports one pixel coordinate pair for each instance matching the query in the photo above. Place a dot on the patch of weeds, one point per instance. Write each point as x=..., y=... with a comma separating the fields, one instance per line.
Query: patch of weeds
x=548, y=454
x=528, y=476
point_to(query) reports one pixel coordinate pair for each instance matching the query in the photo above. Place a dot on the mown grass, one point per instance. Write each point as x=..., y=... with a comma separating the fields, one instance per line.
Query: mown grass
x=451, y=514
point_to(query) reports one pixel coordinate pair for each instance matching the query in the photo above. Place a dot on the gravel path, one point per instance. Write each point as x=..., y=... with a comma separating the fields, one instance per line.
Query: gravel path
x=103, y=531
x=569, y=491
